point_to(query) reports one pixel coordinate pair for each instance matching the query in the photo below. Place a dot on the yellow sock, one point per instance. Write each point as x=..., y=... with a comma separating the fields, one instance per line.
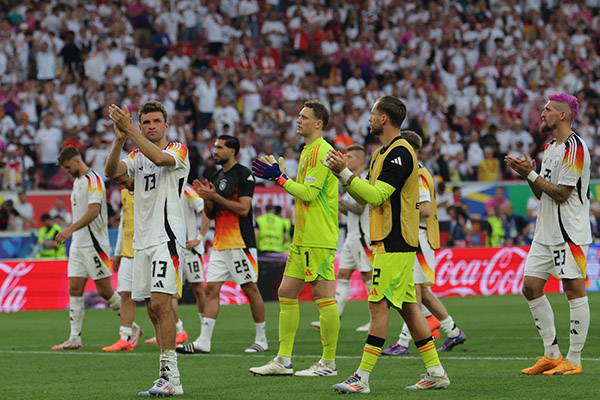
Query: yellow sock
x=428, y=352
x=371, y=353
x=330, y=327
x=289, y=317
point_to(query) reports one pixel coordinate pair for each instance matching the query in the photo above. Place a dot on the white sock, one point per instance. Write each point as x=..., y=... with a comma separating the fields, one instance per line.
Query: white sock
x=449, y=327
x=364, y=375
x=179, y=326
x=261, y=336
x=283, y=360
x=342, y=292
x=115, y=303
x=208, y=325
x=544, y=321
x=580, y=323
x=405, y=337
x=76, y=313
x=436, y=370
x=328, y=363
x=168, y=364
x=425, y=311
x=125, y=332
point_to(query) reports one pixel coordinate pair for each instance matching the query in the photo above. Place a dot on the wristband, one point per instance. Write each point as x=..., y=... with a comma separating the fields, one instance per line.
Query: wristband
x=532, y=176
x=199, y=237
x=345, y=176
x=282, y=179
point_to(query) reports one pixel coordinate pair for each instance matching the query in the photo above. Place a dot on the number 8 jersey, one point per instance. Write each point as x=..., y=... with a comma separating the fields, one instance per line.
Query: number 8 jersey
x=158, y=209
x=565, y=164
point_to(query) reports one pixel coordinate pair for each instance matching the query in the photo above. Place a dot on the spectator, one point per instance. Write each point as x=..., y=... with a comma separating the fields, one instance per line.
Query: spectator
x=498, y=200
x=7, y=216
x=515, y=227
x=60, y=210
x=48, y=140
x=489, y=167
x=47, y=246
x=95, y=156
x=494, y=228
x=25, y=221
x=460, y=226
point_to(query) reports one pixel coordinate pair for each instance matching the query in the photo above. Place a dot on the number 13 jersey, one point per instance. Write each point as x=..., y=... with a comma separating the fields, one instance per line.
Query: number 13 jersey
x=158, y=206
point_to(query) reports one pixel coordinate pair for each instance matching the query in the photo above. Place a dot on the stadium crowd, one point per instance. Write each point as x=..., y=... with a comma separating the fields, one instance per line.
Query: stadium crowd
x=474, y=75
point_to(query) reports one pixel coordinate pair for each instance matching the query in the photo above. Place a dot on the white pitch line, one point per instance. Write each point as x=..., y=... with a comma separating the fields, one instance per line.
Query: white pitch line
x=133, y=354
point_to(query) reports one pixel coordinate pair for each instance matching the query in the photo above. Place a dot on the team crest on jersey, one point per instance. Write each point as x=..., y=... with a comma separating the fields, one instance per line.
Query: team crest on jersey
x=222, y=184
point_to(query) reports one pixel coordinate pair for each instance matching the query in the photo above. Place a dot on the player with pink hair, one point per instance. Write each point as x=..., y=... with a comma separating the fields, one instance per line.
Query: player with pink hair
x=562, y=234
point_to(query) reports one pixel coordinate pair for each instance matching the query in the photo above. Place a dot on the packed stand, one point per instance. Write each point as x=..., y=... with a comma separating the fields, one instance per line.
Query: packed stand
x=474, y=75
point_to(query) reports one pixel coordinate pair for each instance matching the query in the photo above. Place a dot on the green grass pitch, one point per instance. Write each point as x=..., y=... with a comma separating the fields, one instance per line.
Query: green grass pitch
x=502, y=340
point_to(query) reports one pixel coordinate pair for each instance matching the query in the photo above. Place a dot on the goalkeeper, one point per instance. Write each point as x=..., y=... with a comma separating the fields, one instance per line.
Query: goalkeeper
x=312, y=251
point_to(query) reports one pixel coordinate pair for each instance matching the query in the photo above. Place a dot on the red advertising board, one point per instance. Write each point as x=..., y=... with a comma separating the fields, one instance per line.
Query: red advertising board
x=43, y=285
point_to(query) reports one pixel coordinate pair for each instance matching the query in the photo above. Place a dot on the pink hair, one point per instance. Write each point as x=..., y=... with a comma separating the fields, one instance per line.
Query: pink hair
x=570, y=100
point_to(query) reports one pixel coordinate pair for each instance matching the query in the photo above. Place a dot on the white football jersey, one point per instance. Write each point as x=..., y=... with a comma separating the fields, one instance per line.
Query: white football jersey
x=192, y=207
x=89, y=189
x=158, y=204
x=424, y=195
x=565, y=164
x=358, y=224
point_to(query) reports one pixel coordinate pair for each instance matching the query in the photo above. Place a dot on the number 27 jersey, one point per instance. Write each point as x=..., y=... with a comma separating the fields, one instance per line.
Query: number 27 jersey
x=158, y=207
x=565, y=164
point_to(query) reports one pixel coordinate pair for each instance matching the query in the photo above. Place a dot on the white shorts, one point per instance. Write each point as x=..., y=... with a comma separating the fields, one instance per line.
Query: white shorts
x=238, y=265
x=356, y=256
x=424, y=267
x=125, y=275
x=157, y=269
x=88, y=262
x=193, y=270
x=564, y=260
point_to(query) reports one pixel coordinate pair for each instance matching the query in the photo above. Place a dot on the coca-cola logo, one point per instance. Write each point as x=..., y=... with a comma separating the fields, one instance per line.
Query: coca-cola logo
x=498, y=273
x=12, y=296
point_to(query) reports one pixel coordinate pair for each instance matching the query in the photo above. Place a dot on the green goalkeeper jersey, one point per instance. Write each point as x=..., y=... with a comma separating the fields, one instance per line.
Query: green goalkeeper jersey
x=316, y=197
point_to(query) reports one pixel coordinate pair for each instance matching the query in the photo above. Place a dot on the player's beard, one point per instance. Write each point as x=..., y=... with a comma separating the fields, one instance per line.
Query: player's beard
x=376, y=130
x=221, y=161
x=546, y=127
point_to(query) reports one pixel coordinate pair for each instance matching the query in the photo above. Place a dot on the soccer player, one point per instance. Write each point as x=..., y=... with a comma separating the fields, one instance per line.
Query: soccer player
x=89, y=251
x=312, y=251
x=562, y=233
x=193, y=270
x=160, y=170
x=129, y=331
x=392, y=192
x=356, y=251
x=424, y=266
x=228, y=200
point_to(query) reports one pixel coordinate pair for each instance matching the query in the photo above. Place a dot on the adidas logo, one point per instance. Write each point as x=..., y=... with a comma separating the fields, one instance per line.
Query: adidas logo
x=159, y=284
x=573, y=332
x=308, y=273
x=251, y=178
x=373, y=292
x=197, y=277
x=397, y=160
x=100, y=272
x=247, y=277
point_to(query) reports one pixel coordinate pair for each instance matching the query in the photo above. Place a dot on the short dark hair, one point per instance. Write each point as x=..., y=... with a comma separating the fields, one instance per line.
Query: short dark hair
x=319, y=110
x=393, y=107
x=231, y=142
x=152, y=106
x=45, y=216
x=66, y=154
x=270, y=207
x=414, y=139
